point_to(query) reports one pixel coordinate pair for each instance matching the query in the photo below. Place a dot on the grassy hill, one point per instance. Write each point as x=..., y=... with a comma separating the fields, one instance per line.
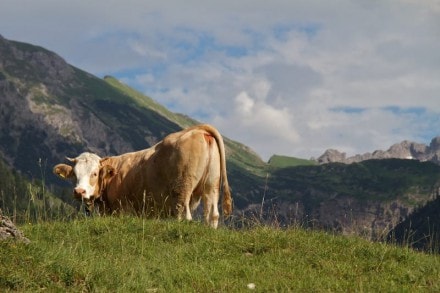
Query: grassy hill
x=117, y=254
x=277, y=161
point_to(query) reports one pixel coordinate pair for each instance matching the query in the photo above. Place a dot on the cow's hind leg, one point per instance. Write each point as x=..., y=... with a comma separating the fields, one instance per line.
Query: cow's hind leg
x=210, y=208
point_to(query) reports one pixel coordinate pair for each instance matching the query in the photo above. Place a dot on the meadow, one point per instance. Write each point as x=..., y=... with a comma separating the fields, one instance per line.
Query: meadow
x=133, y=254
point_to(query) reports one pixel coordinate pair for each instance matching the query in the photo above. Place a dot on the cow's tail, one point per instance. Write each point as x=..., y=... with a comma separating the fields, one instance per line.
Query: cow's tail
x=227, y=198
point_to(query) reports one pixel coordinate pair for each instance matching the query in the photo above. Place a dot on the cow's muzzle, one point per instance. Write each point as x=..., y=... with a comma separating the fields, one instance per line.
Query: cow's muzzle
x=79, y=193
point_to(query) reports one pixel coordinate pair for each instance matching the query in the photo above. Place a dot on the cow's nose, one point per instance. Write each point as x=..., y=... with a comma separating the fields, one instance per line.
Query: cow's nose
x=79, y=192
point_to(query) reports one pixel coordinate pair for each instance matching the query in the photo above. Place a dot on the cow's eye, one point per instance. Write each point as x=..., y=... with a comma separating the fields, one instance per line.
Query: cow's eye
x=94, y=174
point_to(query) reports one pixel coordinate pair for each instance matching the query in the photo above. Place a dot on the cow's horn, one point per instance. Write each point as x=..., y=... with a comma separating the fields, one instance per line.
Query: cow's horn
x=71, y=160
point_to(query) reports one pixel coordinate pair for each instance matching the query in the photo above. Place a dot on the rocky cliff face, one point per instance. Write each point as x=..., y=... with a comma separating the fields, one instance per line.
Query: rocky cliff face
x=421, y=229
x=345, y=215
x=404, y=150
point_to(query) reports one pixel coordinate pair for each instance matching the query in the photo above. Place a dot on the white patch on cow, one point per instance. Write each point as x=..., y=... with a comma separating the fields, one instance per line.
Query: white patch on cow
x=85, y=169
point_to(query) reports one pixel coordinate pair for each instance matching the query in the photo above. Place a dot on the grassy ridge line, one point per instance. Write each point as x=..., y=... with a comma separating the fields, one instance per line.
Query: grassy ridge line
x=145, y=101
x=277, y=161
x=131, y=254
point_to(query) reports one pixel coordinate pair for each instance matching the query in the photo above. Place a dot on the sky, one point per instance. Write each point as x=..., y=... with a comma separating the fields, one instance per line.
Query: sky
x=286, y=77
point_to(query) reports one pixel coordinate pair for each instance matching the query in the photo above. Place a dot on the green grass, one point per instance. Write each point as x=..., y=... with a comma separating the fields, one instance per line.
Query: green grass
x=121, y=254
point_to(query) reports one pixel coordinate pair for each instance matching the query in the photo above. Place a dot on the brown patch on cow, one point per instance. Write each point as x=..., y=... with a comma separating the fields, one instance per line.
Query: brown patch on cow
x=209, y=138
x=106, y=172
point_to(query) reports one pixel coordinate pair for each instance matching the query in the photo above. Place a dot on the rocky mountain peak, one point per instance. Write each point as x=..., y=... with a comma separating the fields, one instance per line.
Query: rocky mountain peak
x=331, y=155
x=435, y=143
x=33, y=63
x=403, y=150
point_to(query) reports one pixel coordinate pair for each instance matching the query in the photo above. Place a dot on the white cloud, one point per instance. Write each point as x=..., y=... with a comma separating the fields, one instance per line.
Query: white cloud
x=144, y=51
x=244, y=105
x=254, y=120
x=285, y=77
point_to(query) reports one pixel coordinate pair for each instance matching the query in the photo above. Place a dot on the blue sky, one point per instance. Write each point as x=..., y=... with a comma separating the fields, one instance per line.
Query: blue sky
x=284, y=77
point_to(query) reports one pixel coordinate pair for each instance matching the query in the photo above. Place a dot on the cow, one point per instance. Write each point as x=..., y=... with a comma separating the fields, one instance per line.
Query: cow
x=167, y=179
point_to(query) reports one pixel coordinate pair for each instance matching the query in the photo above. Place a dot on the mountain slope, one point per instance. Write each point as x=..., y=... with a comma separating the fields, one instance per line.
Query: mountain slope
x=147, y=102
x=63, y=110
x=421, y=229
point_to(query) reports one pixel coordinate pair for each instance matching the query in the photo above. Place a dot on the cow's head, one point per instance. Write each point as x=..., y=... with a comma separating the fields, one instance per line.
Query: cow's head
x=89, y=176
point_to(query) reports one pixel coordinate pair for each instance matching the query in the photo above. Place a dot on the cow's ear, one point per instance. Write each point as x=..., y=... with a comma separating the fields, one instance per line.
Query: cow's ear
x=107, y=172
x=63, y=171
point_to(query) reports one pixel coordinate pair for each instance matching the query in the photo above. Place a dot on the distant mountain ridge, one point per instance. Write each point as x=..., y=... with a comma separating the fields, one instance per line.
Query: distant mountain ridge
x=403, y=150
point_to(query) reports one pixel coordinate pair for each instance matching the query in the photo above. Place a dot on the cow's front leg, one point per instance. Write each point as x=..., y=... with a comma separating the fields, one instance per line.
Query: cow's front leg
x=188, y=215
x=180, y=208
x=183, y=208
x=187, y=200
x=182, y=191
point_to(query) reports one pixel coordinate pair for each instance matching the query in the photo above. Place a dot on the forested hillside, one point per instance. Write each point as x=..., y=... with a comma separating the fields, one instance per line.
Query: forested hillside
x=27, y=200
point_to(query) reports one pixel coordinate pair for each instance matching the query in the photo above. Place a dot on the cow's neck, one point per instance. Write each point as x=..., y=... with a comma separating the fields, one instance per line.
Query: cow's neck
x=125, y=162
